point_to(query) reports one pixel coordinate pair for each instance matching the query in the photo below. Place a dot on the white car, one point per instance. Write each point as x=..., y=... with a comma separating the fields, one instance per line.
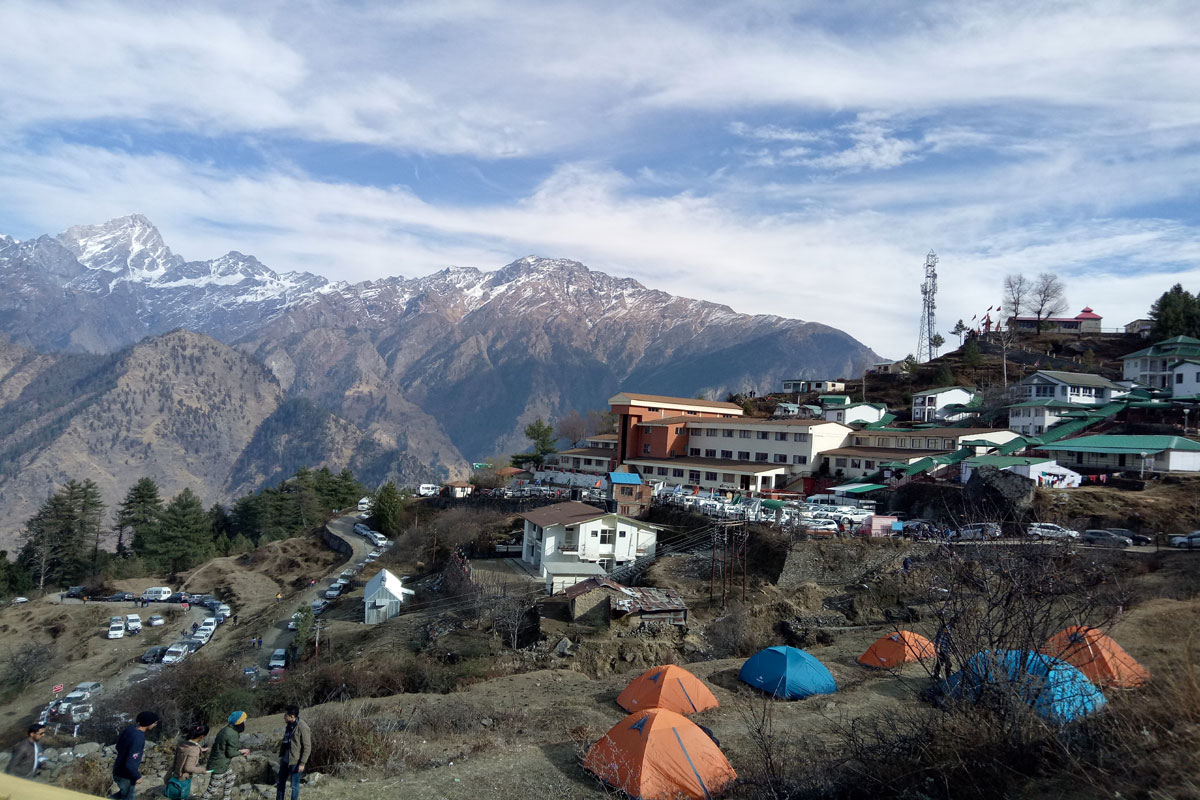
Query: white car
x=156, y=620
x=133, y=623
x=75, y=698
x=205, y=632
x=116, y=621
x=1189, y=540
x=175, y=653
x=294, y=622
x=1048, y=530
x=278, y=659
x=89, y=689
x=116, y=630
x=333, y=592
x=19, y=600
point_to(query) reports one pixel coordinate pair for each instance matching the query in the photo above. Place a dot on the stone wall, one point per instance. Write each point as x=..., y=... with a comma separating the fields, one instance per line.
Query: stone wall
x=845, y=560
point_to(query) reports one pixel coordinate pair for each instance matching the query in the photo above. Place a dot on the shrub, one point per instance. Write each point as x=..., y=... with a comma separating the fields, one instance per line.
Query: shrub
x=347, y=740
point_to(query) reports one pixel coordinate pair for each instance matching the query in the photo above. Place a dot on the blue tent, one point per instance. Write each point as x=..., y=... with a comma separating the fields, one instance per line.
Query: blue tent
x=1057, y=691
x=787, y=673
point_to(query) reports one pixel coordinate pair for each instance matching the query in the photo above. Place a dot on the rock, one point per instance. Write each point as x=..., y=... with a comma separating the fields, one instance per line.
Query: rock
x=50, y=753
x=5, y=757
x=253, y=740
x=486, y=722
x=87, y=749
x=313, y=778
x=1009, y=494
x=563, y=647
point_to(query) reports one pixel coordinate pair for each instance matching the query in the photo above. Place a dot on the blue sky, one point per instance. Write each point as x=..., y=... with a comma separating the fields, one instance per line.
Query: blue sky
x=795, y=159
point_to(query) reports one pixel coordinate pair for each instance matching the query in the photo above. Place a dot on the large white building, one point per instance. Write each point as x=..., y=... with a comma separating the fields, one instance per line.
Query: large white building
x=570, y=542
x=1081, y=388
x=874, y=449
x=1151, y=366
x=1037, y=416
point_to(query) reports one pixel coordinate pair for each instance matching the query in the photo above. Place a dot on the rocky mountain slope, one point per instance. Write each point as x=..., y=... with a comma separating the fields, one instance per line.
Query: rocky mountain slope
x=445, y=366
x=181, y=408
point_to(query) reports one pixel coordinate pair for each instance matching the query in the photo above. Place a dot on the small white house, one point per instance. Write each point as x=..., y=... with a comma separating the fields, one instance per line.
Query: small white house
x=805, y=386
x=1034, y=417
x=570, y=542
x=1070, y=387
x=1185, y=378
x=944, y=404
x=865, y=413
x=383, y=597
x=1045, y=471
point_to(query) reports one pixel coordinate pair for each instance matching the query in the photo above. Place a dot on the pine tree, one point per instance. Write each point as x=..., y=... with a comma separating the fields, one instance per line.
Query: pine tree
x=1176, y=313
x=387, y=510
x=248, y=517
x=138, y=517
x=543, y=438
x=186, y=535
x=87, y=514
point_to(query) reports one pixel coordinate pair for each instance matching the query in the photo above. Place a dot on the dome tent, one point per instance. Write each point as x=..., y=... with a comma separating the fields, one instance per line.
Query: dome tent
x=669, y=687
x=657, y=754
x=787, y=673
x=1096, y=655
x=897, y=649
x=1056, y=691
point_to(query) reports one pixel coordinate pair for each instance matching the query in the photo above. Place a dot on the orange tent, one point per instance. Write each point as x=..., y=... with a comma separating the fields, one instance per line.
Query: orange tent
x=657, y=754
x=1096, y=655
x=669, y=687
x=896, y=649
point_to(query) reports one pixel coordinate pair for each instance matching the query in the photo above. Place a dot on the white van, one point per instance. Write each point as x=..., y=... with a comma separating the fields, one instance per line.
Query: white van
x=364, y=504
x=175, y=653
x=427, y=489
x=159, y=593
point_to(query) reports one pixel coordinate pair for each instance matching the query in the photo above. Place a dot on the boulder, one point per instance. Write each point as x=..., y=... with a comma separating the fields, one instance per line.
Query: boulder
x=254, y=768
x=87, y=749
x=563, y=647
x=998, y=494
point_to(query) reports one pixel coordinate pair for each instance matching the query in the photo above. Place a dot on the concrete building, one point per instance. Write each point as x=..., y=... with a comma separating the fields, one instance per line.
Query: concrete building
x=1151, y=366
x=383, y=597
x=870, y=450
x=1037, y=416
x=642, y=427
x=1141, y=454
x=597, y=457
x=1082, y=388
x=944, y=404
x=569, y=542
x=856, y=413
x=806, y=386
x=1086, y=321
x=1185, y=378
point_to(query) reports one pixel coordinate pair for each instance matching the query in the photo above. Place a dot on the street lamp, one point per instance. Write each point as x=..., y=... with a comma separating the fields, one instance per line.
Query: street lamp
x=1143, y=472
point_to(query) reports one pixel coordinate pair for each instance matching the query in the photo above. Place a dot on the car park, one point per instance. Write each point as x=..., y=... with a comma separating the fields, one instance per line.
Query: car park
x=1191, y=541
x=278, y=659
x=1106, y=538
x=116, y=630
x=156, y=620
x=176, y=653
x=154, y=655
x=133, y=623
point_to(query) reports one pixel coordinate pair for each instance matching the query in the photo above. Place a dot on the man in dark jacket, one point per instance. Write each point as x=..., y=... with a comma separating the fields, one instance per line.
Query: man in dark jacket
x=27, y=752
x=130, y=747
x=226, y=747
x=294, y=751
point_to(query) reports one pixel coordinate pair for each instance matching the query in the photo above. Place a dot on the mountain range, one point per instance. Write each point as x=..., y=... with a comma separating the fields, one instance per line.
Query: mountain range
x=402, y=377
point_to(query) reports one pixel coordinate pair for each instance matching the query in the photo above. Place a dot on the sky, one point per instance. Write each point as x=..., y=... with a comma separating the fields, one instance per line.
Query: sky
x=797, y=159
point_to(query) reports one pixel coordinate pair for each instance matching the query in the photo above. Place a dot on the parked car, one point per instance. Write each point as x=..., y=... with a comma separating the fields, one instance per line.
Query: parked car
x=1189, y=540
x=278, y=659
x=79, y=713
x=193, y=643
x=133, y=623
x=1048, y=530
x=19, y=600
x=223, y=613
x=348, y=573
x=157, y=593
x=201, y=599
x=90, y=688
x=116, y=630
x=119, y=597
x=75, y=698
x=294, y=622
x=319, y=606
x=156, y=620
x=176, y=653
x=276, y=675
x=343, y=582
x=1106, y=537
x=179, y=597
x=365, y=515
x=1136, y=538
x=333, y=592
x=978, y=531
x=76, y=592
x=154, y=655
x=361, y=529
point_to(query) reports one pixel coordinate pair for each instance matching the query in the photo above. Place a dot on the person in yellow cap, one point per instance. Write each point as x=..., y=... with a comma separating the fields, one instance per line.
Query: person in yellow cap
x=225, y=748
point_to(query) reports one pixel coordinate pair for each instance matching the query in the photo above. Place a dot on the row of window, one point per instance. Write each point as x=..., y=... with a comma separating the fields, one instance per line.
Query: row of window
x=744, y=455
x=855, y=463
x=904, y=441
x=727, y=433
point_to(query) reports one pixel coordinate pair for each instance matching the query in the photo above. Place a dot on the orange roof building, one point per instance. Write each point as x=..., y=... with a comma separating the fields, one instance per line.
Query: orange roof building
x=660, y=755
x=669, y=687
x=896, y=649
x=1096, y=655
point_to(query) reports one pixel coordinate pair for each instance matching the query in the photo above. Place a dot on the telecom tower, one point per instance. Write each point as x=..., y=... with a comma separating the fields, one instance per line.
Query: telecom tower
x=926, y=351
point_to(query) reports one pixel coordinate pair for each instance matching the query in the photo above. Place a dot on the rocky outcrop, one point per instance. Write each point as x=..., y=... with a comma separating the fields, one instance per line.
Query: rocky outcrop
x=997, y=494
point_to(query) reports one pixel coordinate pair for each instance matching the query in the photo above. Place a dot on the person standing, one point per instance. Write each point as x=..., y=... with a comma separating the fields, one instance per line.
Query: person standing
x=943, y=644
x=294, y=751
x=131, y=745
x=225, y=748
x=187, y=763
x=27, y=752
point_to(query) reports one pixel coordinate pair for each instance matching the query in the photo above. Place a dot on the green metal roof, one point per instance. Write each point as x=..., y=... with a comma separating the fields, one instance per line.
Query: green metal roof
x=858, y=488
x=1175, y=346
x=1006, y=461
x=833, y=399
x=1124, y=444
x=1076, y=378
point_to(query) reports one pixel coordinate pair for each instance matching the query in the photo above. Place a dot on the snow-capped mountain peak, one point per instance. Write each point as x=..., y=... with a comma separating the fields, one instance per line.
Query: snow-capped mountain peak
x=129, y=247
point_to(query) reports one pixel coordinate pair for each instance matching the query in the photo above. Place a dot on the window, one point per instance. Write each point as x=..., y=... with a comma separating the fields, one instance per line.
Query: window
x=607, y=536
x=931, y=444
x=627, y=491
x=663, y=471
x=1179, y=377
x=743, y=434
x=948, y=444
x=868, y=464
x=694, y=451
x=645, y=449
x=727, y=433
x=710, y=476
x=587, y=462
x=676, y=473
x=760, y=456
x=744, y=455
x=762, y=434
x=780, y=436
x=692, y=413
x=799, y=437
x=799, y=459
x=710, y=453
x=710, y=431
x=780, y=458
x=855, y=463
x=884, y=441
x=693, y=476
x=860, y=440
x=651, y=408
x=901, y=441
x=839, y=462
x=726, y=454
x=679, y=431
x=728, y=477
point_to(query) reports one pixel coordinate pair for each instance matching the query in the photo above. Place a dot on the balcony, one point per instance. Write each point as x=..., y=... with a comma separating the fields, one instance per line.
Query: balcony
x=570, y=549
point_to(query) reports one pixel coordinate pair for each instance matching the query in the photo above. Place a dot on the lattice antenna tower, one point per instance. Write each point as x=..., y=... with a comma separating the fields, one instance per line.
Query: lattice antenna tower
x=926, y=351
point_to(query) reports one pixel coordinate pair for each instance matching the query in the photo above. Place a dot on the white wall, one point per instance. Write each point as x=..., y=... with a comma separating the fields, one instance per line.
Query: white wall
x=1190, y=383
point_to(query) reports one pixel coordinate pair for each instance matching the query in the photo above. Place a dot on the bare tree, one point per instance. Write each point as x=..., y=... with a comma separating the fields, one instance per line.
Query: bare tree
x=572, y=427
x=1047, y=297
x=1017, y=290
